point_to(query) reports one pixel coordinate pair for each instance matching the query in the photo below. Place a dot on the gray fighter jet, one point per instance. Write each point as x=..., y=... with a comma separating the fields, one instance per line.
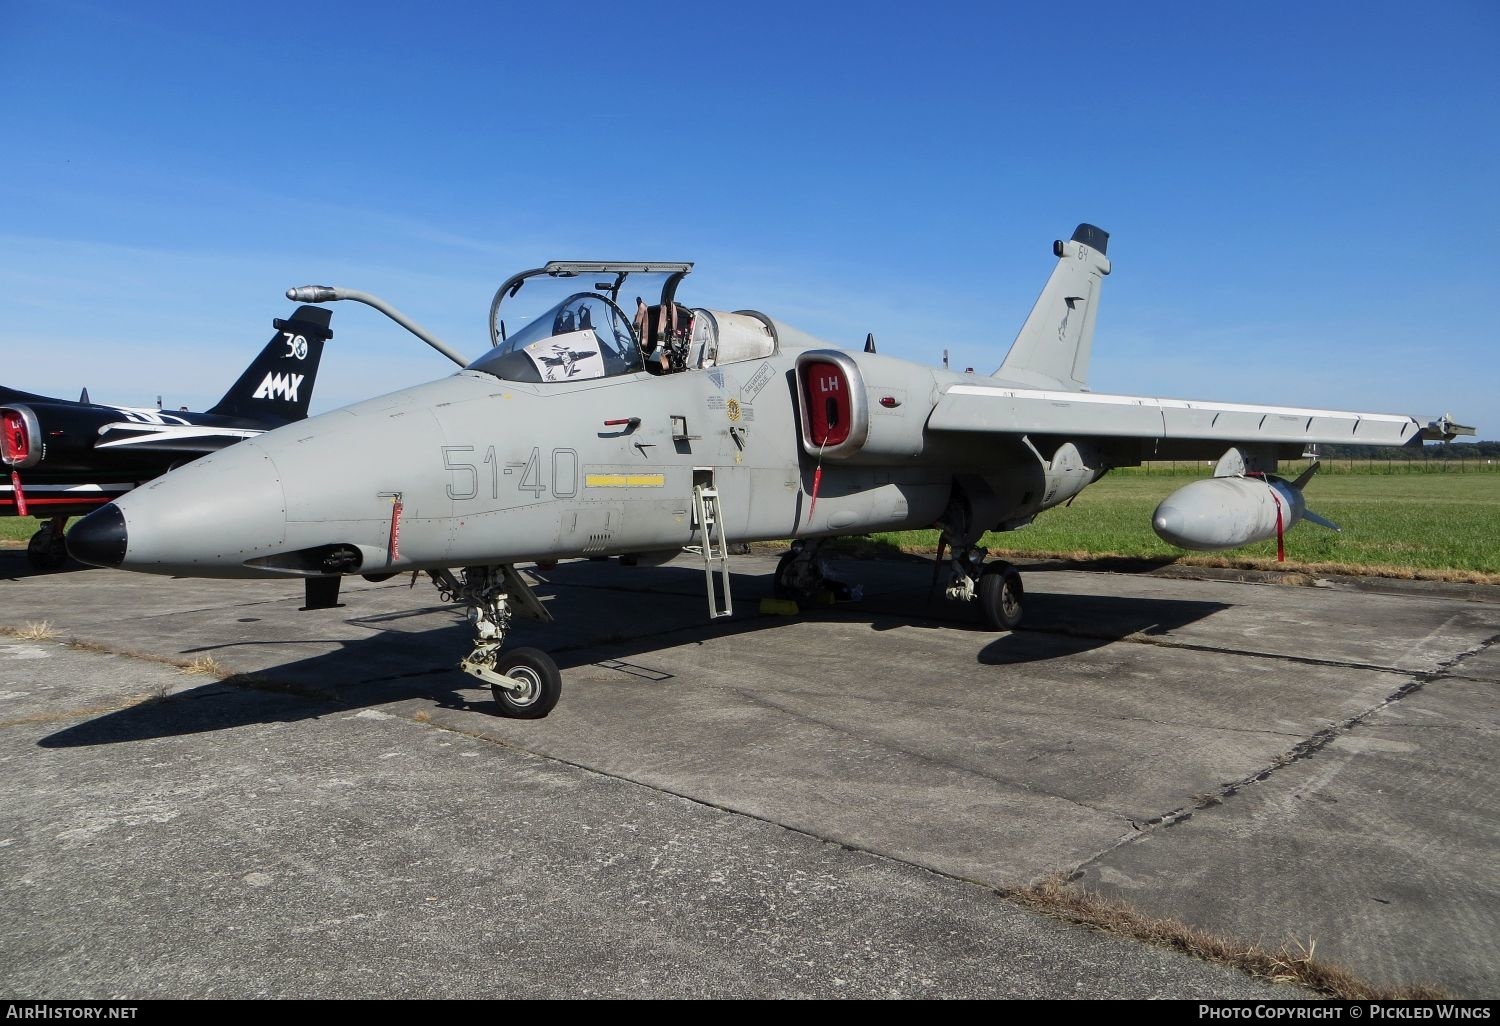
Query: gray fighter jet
x=587, y=432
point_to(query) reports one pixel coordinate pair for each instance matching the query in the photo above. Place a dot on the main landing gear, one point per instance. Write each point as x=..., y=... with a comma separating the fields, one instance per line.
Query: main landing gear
x=805, y=576
x=525, y=681
x=47, y=551
x=997, y=587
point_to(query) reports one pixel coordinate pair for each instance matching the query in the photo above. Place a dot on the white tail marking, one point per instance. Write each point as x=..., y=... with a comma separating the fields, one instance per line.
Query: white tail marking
x=279, y=386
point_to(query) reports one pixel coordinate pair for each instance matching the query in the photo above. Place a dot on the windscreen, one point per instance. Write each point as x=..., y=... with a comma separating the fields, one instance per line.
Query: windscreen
x=584, y=336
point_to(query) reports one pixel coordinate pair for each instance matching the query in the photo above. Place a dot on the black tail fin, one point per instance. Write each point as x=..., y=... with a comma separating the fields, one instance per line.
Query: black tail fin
x=278, y=386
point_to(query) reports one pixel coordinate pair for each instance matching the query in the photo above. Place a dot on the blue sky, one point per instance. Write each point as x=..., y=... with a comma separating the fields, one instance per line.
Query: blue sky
x=1302, y=197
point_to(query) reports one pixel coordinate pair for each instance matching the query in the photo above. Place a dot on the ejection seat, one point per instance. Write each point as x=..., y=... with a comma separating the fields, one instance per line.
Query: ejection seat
x=667, y=332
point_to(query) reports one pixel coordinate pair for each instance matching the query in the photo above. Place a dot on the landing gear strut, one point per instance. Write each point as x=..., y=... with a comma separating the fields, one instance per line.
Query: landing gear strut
x=47, y=550
x=997, y=586
x=525, y=681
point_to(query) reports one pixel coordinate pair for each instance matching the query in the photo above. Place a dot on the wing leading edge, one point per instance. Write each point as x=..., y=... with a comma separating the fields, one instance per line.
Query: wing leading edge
x=1023, y=411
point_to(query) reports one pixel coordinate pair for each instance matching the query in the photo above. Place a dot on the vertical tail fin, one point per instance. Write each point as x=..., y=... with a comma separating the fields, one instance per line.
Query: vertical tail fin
x=278, y=385
x=1055, y=343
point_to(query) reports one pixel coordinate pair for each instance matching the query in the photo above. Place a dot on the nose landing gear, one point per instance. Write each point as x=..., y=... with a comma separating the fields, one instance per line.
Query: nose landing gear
x=525, y=681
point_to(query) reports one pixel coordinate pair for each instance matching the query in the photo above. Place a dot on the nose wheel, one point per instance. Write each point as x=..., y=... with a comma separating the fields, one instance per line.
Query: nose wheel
x=525, y=681
x=535, y=684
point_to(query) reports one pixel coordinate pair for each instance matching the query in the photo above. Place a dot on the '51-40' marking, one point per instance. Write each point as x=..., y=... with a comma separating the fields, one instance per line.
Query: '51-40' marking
x=533, y=475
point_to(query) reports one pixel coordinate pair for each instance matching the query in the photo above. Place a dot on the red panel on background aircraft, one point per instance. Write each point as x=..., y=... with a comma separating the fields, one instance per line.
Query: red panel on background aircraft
x=14, y=441
x=829, y=403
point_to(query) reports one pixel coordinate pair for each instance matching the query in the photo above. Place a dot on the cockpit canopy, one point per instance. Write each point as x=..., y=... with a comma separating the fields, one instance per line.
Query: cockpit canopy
x=553, y=327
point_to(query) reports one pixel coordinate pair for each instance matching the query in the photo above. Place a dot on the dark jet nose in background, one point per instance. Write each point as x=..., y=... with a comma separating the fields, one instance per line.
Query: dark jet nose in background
x=99, y=538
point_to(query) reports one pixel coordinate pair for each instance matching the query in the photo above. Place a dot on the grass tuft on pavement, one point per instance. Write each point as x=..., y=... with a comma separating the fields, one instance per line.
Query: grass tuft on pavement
x=1293, y=963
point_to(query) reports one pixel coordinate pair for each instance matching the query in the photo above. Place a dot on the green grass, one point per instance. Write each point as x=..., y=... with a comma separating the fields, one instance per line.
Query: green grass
x=18, y=529
x=1392, y=522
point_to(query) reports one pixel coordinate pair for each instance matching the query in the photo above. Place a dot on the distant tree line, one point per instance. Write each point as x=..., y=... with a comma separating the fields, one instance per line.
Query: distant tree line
x=1429, y=451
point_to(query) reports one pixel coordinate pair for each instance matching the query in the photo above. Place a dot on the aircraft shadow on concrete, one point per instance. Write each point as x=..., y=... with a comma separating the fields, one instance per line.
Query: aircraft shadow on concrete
x=1061, y=625
x=15, y=566
x=601, y=619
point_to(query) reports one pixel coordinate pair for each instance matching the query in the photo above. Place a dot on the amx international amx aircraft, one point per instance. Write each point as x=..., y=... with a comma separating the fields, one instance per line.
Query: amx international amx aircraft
x=65, y=458
x=585, y=431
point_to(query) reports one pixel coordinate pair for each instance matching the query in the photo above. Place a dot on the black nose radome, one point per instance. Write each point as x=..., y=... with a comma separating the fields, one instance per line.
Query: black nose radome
x=99, y=538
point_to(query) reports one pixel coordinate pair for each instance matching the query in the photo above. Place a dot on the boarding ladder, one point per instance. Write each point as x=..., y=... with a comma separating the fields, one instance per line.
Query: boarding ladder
x=712, y=548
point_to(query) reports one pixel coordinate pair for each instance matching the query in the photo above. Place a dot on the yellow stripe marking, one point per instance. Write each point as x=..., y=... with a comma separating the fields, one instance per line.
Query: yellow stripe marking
x=625, y=480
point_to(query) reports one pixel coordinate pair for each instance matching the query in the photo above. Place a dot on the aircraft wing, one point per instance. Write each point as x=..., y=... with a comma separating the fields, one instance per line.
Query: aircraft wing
x=185, y=438
x=1169, y=422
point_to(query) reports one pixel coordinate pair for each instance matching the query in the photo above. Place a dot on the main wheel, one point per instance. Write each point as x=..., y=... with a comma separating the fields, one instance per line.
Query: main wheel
x=796, y=580
x=46, y=552
x=781, y=586
x=1000, y=596
x=541, y=684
